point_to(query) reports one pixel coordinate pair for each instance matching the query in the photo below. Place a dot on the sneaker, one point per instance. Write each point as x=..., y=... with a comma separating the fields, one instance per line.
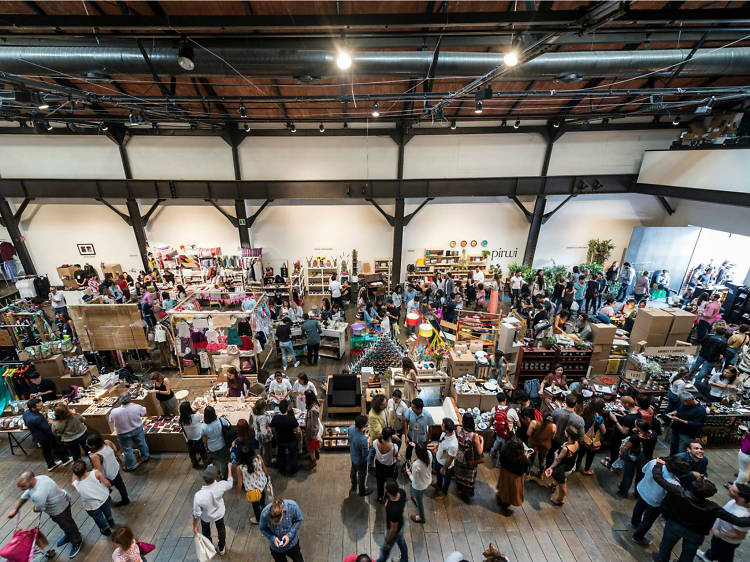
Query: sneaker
x=121, y=503
x=643, y=542
x=222, y=552
x=107, y=532
x=702, y=555
x=54, y=466
x=67, y=462
x=296, y=364
x=283, y=368
x=74, y=550
x=62, y=541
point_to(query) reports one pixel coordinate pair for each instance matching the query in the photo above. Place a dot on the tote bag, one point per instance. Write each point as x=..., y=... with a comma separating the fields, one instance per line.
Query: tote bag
x=204, y=548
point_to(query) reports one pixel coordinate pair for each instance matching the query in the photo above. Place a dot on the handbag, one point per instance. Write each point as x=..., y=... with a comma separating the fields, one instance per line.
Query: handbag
x=145, y=547
x=227, y=431
x=269, y=491
x=592, y=438
x=204, y=548
x=253, y=495
x=20, y=548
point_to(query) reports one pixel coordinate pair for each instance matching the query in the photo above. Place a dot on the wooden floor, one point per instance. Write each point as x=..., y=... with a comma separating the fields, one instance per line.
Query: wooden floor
x=593, y=525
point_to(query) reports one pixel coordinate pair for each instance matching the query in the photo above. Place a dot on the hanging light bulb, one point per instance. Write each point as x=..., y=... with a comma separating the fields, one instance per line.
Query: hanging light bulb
x=676, y=121
x=322, y=128
x=376, y=110
x=247, y=127
x=453, y=125
x=510, y=58
x=478, y=107
x=516, y=124
x=343, y=59
x=185, y=56
x=243, y=111
x=293, y=127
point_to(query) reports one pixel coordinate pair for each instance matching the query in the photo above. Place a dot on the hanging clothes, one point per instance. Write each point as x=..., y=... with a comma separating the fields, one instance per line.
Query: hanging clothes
x=11, y=270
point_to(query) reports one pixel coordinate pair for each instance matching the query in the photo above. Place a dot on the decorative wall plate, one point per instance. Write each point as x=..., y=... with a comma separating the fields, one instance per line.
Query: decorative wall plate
x=484, y=243
x=463, y=243
x=473, y=243
x=453, y=244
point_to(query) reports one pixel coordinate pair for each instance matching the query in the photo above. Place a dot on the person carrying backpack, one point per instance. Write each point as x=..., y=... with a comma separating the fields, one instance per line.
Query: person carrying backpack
x=505, y=421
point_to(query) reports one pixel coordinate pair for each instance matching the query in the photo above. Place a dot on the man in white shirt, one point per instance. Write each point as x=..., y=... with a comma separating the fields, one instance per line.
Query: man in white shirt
x=396, y=411
x=334, y=286
x=478, y=276
x=208, y=505
x=49, y=498
x=279, y=389
x=57, y=300
x=515, y=287
x=128, y=426
x=447, y=449
x=727, y=537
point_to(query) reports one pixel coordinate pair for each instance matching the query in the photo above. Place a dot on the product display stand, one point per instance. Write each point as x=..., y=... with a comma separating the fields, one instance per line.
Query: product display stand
x=383, y=267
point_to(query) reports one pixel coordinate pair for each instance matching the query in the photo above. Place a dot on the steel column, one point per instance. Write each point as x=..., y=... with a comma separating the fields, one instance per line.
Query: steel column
x=242, y=226
x=140, y=233
x=398, y=241
x=11, y=223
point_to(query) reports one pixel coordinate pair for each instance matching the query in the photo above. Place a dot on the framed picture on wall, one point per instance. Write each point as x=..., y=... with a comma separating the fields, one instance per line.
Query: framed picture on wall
x=86, y=249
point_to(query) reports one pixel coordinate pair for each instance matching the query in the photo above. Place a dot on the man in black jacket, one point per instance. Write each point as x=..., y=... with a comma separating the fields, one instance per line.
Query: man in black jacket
x=689, y=515
x=41, y=433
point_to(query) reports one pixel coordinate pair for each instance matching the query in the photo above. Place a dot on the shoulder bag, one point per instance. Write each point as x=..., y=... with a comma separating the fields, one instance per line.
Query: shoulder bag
x=592, y=438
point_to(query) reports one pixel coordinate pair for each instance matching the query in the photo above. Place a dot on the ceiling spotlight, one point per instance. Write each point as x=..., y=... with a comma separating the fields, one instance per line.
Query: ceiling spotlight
x=510, y=58
x=556, y=124
x=292, y=127
x=322, y=128
x=516, y=124
x=247, y=127
x=49, y=126
x=605, y=121
x=243, y=111
x=132, y=118
x=453, y=125
x=676, y=121
x=376, y=110
x=104, y=127
x=478, y=107
x=185, y=56
x=42, y=104
x=343, y=60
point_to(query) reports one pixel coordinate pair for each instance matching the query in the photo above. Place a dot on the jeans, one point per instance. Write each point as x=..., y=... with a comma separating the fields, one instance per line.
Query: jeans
x=705, y=368
x=673, y=532
x=220, y=530
x=102, y=516
x=119, y=483
x=287, y=349
x=588, y=454
x=623, y=292
x=730, y=356
x=195, y=450
x=643, y=518
x=357, y=476
x=382, y=473
x=443, y=480
x=313, y=351
x=495, y=450
x=630, y=470
x=590, y=304
x=50, y=448
x=678, y=442
x=580, y=305
x=639, y=297
x=293, y=554
x=385, y=550
x=419, y=500
x=127, y=441
x=65, y=521
x=743, y=473
x=721, y=550
x=219, y=459
x=74, y=447
x=290, y=449
x=702, y=330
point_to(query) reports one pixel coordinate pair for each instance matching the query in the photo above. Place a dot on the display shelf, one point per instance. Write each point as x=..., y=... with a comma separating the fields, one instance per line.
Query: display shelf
x=318, y=278
x=335, y=435
x=383, y=266
x=538, y=362
x=437, y=260
x=294, y=282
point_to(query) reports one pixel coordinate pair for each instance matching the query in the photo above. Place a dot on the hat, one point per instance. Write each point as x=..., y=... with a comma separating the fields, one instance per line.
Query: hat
x=126, y=399
x=209, y=473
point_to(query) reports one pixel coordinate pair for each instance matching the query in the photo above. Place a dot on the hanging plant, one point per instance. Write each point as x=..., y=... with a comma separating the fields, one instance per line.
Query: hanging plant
x=599, y=250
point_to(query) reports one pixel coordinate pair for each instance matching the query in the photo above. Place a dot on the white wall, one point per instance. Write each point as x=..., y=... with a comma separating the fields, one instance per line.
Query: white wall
x=605, y=152
x=564, y=238
x=73, y=157
x=474, y=156
x=723, y=170
x=727, y=218
x=180, y=158
x=313, y=158
x=176, y=224
x=53, y=230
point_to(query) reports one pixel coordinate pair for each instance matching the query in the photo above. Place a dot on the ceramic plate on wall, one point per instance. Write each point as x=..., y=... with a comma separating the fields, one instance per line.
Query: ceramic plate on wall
x=463, y=243
x=453, y=244
x=484, y=243
x=473, y=243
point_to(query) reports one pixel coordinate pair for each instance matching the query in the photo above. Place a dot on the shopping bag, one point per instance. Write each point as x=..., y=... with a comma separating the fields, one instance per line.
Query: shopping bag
x=145, y=547
x=204, y=548
x=20, y=548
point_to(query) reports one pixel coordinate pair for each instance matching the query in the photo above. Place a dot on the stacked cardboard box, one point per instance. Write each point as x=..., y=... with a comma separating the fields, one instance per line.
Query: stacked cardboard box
x=651, y=325
x=682, y=323
x=114, y=268
x=602, y=337
x=66, y=276
x=458, y=366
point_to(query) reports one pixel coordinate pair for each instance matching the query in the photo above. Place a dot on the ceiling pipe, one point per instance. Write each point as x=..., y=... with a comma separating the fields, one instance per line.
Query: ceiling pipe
x=313, y=64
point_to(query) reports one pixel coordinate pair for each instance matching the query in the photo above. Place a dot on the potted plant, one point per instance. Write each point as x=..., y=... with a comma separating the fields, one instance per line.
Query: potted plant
x=549, y=341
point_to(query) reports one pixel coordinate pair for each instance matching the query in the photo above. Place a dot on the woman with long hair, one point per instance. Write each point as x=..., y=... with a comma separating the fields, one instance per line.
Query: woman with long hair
x=252, y=477
x=623, y=425
x=386, y=456
x=300, y=388
x=514, y=464
x=495, y=287
x=164, y=394
x=540, y=434
x=470, y=449
x=677, y=383
x=190, y=422
x=539, y=285
x=126, y=547
x=409, y=372
x=376, y=423
x=565, y=460
x=245, y=438
x=237, y=384
x=213, y=440
x=260, y=421
x=312, y=427
x=593, y=423
x=420, y=474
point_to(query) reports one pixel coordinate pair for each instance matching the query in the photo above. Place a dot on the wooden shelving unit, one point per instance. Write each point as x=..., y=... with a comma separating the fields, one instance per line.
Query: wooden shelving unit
x=537, y=363
x=383, y=266
x=318, y=279
x=447, y=260
x=294, y=281
x=337, y=438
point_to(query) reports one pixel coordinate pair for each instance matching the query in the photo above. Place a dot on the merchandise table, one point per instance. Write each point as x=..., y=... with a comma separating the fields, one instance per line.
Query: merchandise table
x=13, y=439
